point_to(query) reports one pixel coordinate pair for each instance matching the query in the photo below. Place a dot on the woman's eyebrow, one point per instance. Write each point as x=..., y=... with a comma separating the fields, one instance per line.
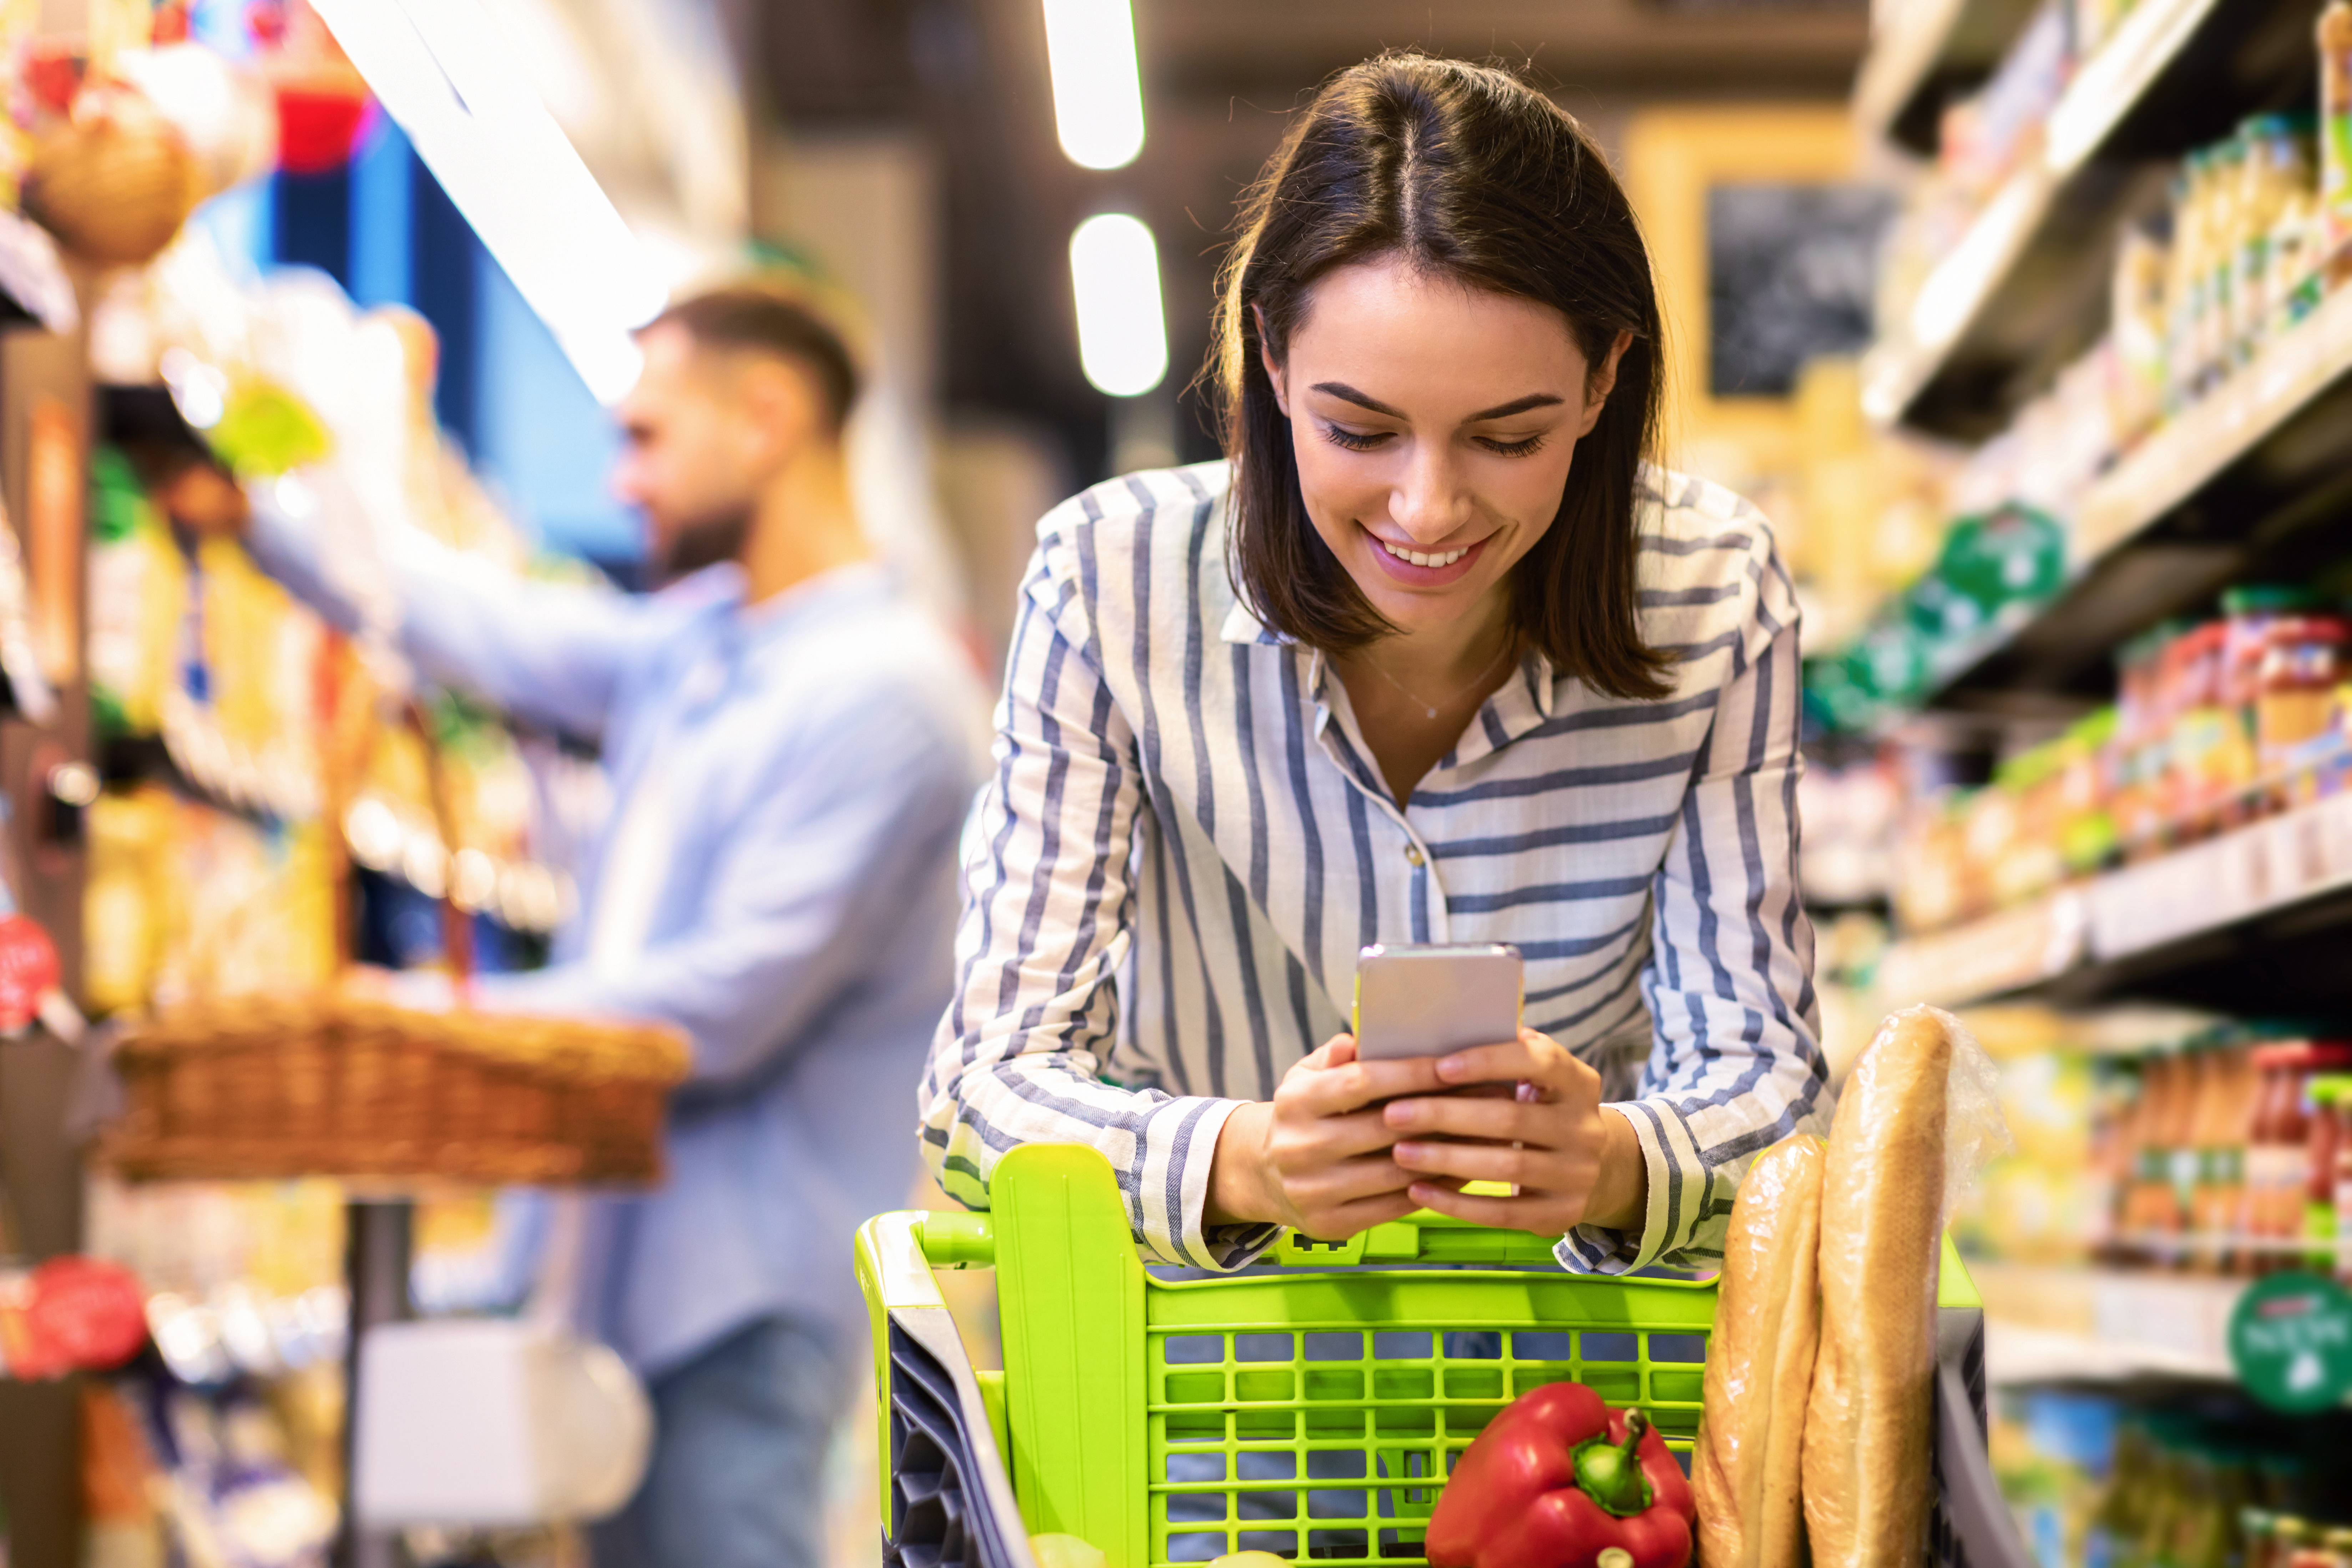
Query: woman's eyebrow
x=1342, y=390
x=1517, y=405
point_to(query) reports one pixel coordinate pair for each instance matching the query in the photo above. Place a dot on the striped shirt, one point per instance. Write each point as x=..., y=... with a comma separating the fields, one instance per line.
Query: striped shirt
x=1186, y=843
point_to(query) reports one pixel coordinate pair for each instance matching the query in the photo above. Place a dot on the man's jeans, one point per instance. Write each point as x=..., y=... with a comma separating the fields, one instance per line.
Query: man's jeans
x=736, y=1478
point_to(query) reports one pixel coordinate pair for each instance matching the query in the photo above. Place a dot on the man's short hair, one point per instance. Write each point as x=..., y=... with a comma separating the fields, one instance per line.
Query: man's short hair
x=764, y=321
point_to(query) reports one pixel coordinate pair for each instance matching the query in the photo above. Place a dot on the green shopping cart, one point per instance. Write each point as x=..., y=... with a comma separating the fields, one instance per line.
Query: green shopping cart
x=1310, y=1406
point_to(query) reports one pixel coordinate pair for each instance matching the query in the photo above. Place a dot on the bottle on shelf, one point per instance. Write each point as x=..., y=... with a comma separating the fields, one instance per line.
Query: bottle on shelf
x=2327, y=1186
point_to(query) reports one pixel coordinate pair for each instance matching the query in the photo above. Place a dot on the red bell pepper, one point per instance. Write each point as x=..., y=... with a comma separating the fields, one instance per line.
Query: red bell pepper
x=1560, y=1480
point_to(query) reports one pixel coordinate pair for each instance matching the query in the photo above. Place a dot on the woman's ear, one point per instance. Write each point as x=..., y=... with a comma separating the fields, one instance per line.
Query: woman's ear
x=1273, y=374
x=1600, y=381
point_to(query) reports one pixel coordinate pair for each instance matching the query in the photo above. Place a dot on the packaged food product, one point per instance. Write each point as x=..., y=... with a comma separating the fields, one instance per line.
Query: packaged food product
x=2334, y=38
x=2295, y=693
x=2137, y=312
x=2278, y=1162
x=2225, y=1127
x=1890, y=1159
x=1759, y=1364
x=2326, y=1235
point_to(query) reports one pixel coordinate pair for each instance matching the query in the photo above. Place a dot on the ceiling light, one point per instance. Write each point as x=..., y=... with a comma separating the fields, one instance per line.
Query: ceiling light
x=445, y=74
x=1097, y=97
x=1115, y=274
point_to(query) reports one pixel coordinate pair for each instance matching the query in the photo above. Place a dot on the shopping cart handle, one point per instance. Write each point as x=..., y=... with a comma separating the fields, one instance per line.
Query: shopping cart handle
x=959, y=1240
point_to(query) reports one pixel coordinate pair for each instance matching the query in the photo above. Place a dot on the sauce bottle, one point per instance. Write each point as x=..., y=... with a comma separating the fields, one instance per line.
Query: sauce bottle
x=2273, y=1157
x=2199, y=1108
x=2321, y=1234
x=2225, y=1129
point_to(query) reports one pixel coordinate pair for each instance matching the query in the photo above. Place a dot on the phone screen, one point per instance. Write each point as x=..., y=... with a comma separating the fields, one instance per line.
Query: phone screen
x=1425, y=1000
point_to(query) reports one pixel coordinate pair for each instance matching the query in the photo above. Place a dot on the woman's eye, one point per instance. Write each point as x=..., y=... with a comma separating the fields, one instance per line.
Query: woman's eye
x=1512, y=448
x=1354, y=441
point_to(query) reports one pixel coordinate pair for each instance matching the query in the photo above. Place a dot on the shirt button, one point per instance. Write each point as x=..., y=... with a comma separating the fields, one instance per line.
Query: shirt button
x=1413, y=854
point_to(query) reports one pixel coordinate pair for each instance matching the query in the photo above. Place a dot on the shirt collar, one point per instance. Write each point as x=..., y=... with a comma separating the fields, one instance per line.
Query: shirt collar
x=719, y=591
x=1242, y=626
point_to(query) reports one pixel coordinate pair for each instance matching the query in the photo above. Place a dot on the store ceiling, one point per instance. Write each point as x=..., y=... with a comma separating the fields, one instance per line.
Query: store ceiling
x=1220, y=76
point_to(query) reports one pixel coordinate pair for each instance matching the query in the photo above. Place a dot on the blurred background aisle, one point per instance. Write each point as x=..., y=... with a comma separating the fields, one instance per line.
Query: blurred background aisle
x=2018, y=319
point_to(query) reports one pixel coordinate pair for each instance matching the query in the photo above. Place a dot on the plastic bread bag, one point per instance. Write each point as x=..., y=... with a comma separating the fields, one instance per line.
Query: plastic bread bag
x=1759, y=1364
x=1919, y=1115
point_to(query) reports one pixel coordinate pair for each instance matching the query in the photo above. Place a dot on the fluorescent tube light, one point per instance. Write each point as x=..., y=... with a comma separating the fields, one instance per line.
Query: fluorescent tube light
x=445, y=73
x=1097, y=96
x=1115, y=274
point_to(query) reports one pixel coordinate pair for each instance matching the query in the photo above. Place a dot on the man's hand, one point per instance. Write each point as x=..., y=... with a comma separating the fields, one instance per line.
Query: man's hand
x=1317, y=1157
x=1572, y=1162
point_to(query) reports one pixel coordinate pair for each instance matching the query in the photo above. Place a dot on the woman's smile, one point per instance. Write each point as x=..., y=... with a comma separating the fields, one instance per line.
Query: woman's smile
x=1414, y=568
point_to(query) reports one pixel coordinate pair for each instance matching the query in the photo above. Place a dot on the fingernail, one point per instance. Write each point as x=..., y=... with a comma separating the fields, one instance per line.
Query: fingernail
x=1451, y=1067
x=1406, y=1151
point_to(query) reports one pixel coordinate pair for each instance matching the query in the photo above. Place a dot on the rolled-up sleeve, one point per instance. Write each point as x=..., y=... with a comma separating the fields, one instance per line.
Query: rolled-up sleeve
x=552, y=654
x=1736, y=1063
x=1046, y=926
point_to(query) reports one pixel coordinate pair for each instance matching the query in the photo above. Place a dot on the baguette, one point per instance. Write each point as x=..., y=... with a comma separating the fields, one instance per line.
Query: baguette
x=1759, y=1364
x=1867, y=1437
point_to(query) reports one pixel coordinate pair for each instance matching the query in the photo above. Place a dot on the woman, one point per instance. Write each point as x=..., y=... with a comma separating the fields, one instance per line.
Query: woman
x=1434, y=656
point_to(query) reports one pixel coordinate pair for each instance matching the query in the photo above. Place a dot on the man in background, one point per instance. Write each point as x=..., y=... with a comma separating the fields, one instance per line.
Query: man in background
x=791, y=747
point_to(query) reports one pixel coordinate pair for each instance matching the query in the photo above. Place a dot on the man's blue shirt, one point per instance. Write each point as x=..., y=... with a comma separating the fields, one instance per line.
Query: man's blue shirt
x=817, y=753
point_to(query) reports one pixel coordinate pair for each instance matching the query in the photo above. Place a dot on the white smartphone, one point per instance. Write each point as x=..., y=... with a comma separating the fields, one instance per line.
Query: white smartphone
x=1426, y=999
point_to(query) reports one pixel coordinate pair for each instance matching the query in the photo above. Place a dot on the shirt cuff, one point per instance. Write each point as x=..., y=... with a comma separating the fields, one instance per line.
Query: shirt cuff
x=1676, y=1198
x=1170, y=1205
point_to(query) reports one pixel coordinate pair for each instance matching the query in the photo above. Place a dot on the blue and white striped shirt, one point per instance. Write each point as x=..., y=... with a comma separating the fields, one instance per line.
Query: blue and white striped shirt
x=1186, y=843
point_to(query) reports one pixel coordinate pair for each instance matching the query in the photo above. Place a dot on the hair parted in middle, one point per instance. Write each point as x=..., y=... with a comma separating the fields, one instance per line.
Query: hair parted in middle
x=1469, y=173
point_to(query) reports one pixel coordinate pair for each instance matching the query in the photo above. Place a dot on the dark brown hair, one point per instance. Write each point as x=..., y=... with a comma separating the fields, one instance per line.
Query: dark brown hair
x=1464, y=170
x=761, y=320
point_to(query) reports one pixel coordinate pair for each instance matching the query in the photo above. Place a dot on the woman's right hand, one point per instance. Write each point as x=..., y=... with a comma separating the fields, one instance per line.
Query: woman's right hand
x=1315, y=1157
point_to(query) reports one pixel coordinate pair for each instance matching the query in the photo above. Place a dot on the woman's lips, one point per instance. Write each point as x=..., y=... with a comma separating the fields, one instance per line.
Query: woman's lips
x=1406, y=573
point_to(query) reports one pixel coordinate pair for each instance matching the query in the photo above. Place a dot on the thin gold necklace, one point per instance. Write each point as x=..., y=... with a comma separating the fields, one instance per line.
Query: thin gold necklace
x=1428, y=707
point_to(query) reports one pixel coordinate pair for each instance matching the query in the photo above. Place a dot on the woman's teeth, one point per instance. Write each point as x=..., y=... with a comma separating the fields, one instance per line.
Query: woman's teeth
x=1424, y=558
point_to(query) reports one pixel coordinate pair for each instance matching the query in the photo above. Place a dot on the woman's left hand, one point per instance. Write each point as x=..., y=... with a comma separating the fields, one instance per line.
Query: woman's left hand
x=1572, y=1162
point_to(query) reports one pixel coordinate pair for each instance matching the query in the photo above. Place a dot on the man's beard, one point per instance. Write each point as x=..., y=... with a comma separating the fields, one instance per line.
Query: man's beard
x=705, y=541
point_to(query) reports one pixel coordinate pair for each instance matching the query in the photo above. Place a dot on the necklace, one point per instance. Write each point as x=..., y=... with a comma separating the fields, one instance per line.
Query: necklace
x=1424, y=703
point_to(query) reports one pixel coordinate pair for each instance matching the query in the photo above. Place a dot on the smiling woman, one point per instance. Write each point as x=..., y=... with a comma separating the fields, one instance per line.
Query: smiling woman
x=1435, y=655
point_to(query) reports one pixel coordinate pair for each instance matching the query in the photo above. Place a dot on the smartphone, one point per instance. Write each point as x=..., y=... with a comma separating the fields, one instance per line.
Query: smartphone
x=1426, y=999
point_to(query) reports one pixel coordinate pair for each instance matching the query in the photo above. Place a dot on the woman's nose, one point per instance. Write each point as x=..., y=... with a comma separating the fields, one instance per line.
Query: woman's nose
x=1429, y=501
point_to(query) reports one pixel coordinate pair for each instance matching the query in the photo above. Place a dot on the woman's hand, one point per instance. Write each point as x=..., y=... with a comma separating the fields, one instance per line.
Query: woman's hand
x=1316, y=1158
x=1572, y=1162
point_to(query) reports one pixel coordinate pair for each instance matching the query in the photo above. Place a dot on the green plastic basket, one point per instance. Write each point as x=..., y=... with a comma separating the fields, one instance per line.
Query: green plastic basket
x=1310, y=1408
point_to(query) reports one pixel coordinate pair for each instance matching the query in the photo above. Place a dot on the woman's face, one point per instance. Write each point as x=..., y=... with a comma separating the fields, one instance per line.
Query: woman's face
x=1434, y=424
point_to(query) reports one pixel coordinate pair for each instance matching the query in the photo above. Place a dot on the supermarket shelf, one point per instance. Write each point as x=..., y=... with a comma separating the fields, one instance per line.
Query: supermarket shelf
x=520, y=895
x=2024, y=290
x=2232, y=489
x=2104, y=1325
x=2249, y=920
x=1927, y=52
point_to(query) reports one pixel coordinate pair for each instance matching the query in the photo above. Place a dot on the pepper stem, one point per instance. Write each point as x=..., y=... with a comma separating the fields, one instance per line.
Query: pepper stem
x=1611, y=1474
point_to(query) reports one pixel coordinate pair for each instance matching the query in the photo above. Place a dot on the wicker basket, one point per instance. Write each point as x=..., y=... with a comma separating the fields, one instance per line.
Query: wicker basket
x=339, y=1085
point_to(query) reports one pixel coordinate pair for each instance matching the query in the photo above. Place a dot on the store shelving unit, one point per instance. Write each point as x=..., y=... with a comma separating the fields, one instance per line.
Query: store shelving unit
x=2251, y=916
x=2232, y=489
x=2022, y=290
x=2105, y=1325
x=1925, y=54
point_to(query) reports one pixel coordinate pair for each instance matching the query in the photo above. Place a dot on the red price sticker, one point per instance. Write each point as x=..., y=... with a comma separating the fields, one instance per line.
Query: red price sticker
x=28, y=969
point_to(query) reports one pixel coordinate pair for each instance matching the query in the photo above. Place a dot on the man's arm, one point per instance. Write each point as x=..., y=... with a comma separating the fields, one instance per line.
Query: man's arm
x=550, y=653
x=807, y=888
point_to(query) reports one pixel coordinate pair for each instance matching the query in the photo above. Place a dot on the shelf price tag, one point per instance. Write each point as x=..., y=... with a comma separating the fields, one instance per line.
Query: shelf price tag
x=2291, y=1342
